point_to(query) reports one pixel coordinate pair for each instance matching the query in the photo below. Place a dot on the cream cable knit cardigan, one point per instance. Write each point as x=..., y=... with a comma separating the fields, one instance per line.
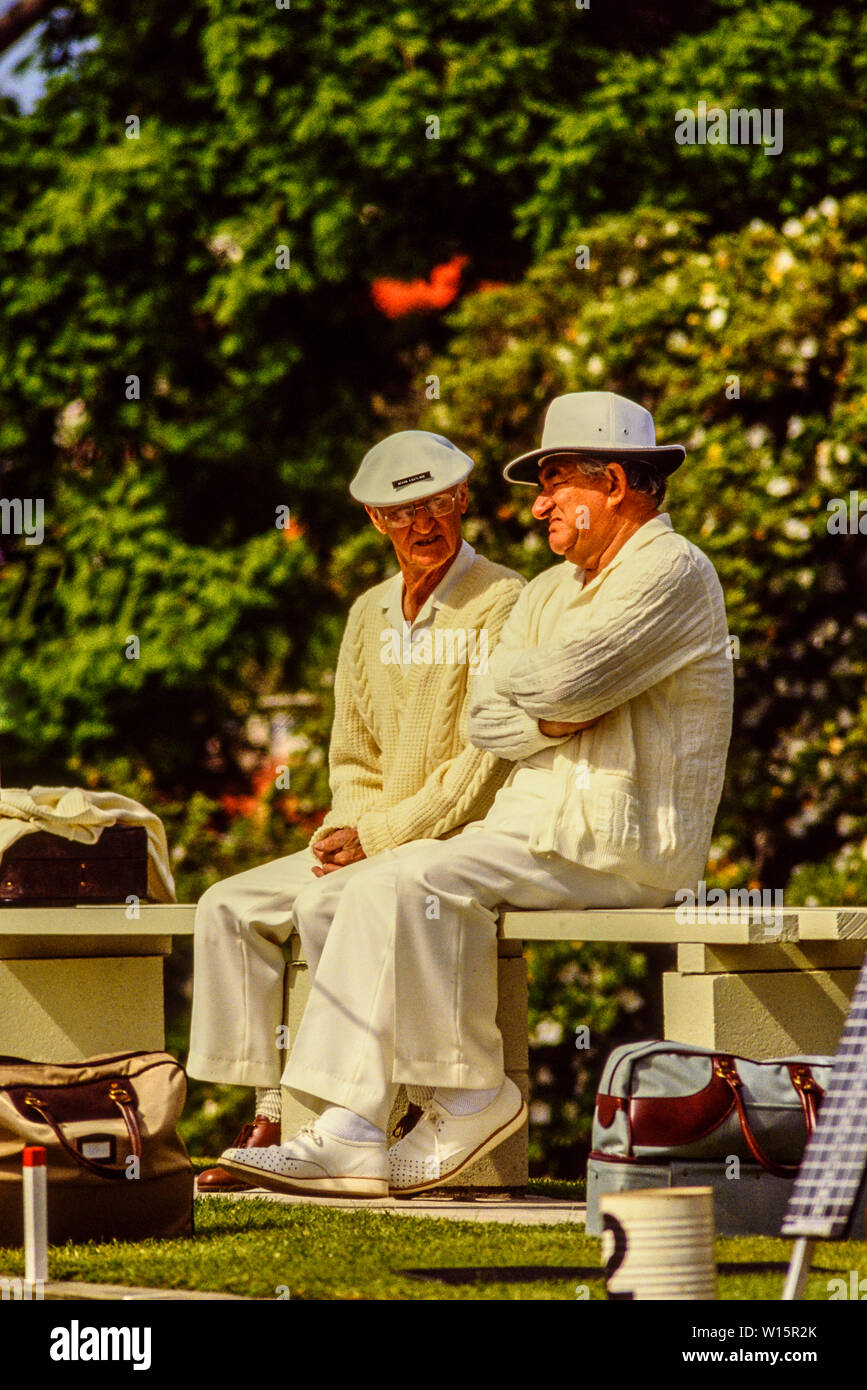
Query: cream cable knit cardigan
x=401, y=767
x=645, y=645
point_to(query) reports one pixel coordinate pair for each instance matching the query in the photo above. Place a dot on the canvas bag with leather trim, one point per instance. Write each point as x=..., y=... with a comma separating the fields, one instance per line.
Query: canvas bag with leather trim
x=659, y=1101
x=101, y=1122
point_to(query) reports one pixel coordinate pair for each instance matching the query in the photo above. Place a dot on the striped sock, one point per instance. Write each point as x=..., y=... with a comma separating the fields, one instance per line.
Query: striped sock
x=269, y=1103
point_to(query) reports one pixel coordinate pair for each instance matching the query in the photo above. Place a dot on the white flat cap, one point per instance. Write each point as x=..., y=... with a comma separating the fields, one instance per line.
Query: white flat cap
x=600, y=423
x=407, y=466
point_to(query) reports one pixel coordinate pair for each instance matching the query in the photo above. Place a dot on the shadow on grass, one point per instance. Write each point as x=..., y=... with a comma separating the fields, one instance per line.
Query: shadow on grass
x=532, y=1274
x=503, y=1274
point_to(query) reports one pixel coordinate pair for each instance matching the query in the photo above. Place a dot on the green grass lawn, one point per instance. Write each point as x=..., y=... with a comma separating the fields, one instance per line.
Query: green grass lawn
x=263, y=1250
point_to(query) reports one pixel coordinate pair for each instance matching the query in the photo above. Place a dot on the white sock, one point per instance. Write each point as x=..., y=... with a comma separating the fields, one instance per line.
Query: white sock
x=461, y=1102
x=345, y=1124
x=269, y=1102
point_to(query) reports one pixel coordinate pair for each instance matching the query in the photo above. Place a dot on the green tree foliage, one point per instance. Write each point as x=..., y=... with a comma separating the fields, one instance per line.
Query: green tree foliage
x=151, y=320
x=616, y=148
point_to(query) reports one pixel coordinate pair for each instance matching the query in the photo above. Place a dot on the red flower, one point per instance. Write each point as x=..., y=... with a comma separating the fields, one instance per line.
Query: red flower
x=398, y=297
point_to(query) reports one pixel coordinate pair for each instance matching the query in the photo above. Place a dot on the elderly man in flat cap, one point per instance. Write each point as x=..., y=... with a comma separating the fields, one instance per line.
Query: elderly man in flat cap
x=610, y=694
x=401, y=767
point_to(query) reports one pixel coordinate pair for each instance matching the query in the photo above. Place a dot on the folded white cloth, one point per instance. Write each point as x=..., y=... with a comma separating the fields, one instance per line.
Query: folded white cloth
x=77, y=813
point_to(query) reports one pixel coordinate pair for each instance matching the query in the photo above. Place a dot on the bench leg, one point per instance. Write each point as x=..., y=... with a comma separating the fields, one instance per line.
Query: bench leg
x=63, y=1010
x=507, y=1166
x=762, y=1001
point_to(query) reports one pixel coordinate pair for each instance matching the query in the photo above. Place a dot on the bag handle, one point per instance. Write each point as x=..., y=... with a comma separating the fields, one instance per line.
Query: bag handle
x=809, y=1092
x=123, y=1100
x=806, y=1087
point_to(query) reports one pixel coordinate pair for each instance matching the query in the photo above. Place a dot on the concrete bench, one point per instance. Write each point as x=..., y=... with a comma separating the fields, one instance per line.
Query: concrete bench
x=742, y=984
x=79, y=981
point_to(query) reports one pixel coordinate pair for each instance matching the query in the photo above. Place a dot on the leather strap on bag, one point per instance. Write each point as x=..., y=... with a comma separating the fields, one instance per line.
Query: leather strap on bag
x=119, y=1097
x=807, y=1089
x=809, y=1093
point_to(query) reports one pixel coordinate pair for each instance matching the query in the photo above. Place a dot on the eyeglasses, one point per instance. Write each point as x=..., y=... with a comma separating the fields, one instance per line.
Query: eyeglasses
x=398, y=518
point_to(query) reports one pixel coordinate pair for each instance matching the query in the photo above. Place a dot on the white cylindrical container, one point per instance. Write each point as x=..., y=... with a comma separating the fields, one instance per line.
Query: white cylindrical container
x=657, y=1243
x=35, y=1214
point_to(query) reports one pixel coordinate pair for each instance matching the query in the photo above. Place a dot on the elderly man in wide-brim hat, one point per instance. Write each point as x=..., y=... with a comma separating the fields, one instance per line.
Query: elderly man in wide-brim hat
x=401, y=766
x=610, y=693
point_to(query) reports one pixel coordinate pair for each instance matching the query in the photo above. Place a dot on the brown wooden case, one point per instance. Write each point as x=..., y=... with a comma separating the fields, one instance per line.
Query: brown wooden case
x=45, y=870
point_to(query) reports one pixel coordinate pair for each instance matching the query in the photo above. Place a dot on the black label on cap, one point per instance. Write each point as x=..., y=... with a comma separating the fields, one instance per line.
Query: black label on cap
x=416, y=478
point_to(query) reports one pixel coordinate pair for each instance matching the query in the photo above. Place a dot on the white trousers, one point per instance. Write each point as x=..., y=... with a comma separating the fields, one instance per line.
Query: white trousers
x=239, y=972
x=405, y=952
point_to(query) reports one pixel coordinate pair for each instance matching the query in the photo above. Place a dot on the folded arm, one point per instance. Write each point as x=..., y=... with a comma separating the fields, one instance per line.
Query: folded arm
x=638, y=637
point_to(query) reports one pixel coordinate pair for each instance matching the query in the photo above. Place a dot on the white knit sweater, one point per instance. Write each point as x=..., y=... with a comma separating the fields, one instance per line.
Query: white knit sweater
x=401, y=765
x=645, y=645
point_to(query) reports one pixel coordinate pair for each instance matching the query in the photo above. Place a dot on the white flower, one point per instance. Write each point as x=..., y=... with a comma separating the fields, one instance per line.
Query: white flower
x=640, y=241
x=756, y=436
x=69, y=420
x=717, y=317
x=824, y=472
x=627, y=276
x=842, y=453
x=794, y=427
x=829, y=207
x=565, y=355
x=671, y=228
x=796, y=530
x=804, y=578
x=846, y=824
x=540, y=1113
x=779, y=487
x=548, y=1032
x=224, y=246
x=783, y=261
x=757, y=225
x=595, y=365
x=808, y=347
x=707, y=298
x=793, y=227
x=670, y=282
x=677, y=341
x=824, y=632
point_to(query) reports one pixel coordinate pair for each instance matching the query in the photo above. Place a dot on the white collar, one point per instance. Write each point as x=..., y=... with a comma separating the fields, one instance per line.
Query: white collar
x=392, y=594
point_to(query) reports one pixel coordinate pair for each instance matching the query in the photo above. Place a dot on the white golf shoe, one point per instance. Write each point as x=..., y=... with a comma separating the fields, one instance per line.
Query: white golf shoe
x=442, y=1145
x=315, y=1163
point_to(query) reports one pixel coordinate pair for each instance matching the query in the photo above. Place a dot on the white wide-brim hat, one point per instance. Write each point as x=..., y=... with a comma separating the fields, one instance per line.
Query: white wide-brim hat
x=596, y=423
x=408, y=466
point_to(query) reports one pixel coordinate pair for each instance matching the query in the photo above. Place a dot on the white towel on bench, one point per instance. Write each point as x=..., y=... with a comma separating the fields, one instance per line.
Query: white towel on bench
x=77, y=813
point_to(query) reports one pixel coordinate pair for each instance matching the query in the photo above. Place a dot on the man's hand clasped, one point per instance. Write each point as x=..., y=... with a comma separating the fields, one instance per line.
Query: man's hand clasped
x=555, y=728
x=336, y=850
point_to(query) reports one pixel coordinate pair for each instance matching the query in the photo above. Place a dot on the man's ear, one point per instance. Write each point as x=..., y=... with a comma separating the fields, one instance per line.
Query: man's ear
x=463, y=498
x=617, y=484
x=380, y=525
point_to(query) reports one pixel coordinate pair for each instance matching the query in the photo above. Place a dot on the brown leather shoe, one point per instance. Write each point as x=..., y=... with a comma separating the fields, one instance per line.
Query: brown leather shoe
x=259, y=1135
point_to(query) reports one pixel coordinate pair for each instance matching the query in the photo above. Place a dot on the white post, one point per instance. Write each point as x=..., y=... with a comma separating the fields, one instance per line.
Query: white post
x=35, y=1215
